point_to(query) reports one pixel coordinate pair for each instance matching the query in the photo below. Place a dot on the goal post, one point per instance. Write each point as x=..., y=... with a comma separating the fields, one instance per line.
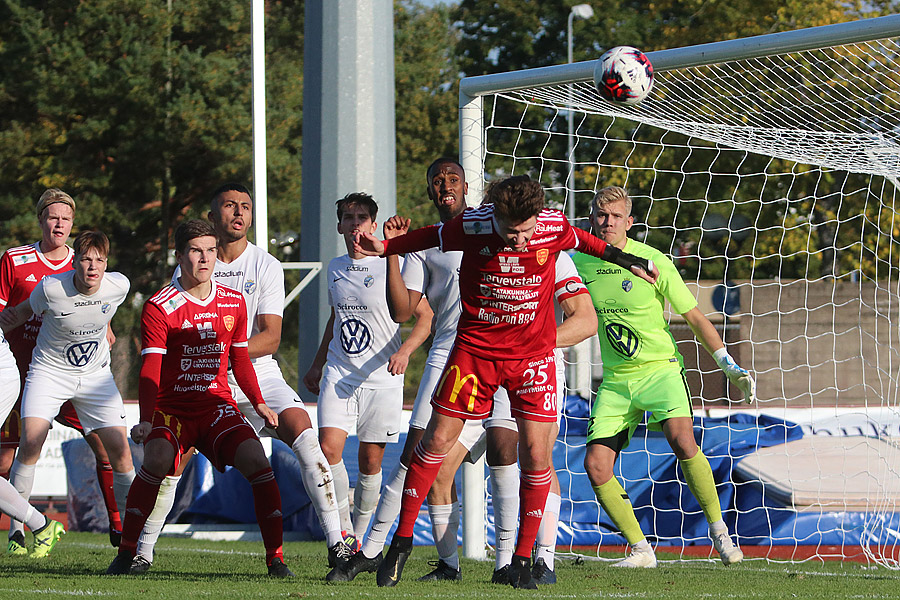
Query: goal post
x=767, y=169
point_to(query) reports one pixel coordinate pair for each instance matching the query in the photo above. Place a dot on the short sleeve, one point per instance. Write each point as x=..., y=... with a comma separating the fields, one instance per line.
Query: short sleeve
x=38, y=299
x=271, y=289
x=154, y=329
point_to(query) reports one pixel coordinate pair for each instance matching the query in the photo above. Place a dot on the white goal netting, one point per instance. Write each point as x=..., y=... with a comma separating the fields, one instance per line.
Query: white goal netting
x=772, y=184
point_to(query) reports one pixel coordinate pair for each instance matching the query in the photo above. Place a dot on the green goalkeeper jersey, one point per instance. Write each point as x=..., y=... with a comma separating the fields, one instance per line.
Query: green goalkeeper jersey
x=631, y=325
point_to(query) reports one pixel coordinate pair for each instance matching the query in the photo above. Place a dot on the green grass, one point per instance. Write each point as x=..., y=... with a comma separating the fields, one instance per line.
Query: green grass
x=221, y=570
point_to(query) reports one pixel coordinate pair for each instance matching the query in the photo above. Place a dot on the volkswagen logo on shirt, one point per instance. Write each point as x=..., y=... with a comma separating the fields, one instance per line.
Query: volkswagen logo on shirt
x=80, y=354
x=356, y=337
x=623, y=339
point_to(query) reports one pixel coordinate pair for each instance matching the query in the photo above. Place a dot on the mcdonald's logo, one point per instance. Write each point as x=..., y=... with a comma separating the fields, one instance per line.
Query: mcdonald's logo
x=459, y=382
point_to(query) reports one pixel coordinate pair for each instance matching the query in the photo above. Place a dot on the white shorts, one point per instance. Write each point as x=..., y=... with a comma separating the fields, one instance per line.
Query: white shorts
x=501, y=415
x=421, y=413
x=376, y=413
x=9, y=390
x=96, y=398
x=279, y=396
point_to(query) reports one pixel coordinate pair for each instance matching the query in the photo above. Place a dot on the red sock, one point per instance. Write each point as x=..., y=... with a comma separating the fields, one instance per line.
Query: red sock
x=423, y=470
x=141, y=500
x=267, y=503
x=105, y=479
x=533, y=489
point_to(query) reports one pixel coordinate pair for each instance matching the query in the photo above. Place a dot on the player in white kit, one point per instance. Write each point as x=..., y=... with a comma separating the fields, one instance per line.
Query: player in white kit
x=46, y=532
x=362, y=381
x=71, y=361
x=259, y=276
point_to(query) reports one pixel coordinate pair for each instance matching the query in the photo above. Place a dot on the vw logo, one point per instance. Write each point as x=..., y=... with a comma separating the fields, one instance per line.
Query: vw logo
x=623, y=340
x=355, y=336
x=81, y=354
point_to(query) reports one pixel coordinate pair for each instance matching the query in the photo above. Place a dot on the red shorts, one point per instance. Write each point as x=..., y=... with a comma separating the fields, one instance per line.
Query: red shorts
x=9, y=433
x=216, y=433
x=466, y=389
x=68, y=417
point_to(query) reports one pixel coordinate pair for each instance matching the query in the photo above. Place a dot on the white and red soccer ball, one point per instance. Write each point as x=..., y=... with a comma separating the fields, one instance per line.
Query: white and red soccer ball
x=623, y=75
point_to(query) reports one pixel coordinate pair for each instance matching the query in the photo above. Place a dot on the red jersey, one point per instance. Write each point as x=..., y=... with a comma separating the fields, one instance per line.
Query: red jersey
x=196, y=338
x=506, y=296
x=21, y=269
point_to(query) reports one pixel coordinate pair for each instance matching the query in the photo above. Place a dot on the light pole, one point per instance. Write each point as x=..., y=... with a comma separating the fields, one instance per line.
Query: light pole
x=581, y=11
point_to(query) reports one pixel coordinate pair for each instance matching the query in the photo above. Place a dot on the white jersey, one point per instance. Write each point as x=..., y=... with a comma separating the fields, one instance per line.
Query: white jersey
x=72, y=338
x=364, y=336
x=260, y=278
x=435, y=274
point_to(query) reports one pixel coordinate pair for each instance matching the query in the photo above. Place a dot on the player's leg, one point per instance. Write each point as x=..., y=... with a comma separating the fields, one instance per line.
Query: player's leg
x=295, y=429
x=378, y=424
x=545, y=543
x=156, y=520
x=502, y=459
x=9, y=441
x=698, y=474
x=34, y=433
x=534, y=486
x=161, y=450
x=337, y=412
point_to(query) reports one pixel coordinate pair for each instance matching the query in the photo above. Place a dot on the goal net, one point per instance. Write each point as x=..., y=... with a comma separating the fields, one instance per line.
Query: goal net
x=767, y=170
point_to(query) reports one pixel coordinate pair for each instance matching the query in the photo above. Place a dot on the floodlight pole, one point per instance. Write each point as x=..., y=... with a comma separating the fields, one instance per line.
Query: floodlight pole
x=582, y=11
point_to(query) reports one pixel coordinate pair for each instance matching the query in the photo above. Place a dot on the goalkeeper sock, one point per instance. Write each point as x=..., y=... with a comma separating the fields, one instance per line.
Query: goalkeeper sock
x=699, y=477
x=615, y=502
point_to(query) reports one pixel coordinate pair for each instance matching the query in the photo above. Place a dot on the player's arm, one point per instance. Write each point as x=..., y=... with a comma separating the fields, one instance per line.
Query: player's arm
x=401, y=300
x=420, y=332
x=590, y=244
x=314, y=374
x=268, y=338
x=246, y=379
x=15, y=316
x=154, y=332
x=580, y=322
x=415, y=240
x=709, y=338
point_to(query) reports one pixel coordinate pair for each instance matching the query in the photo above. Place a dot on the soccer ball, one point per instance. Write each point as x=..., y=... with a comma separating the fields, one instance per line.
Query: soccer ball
x=623, y=75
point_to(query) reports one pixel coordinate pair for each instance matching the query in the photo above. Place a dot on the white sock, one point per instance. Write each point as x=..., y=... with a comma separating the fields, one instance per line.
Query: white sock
x=165, y=500
x=546, y=537
x=13, y=504
x=386, y=513
x=319, y=484
x=718, y=527
x=342, y=493
x=505, y=498
x=642, y=546
x=22, y=478
x=365, y=500
x=445, y=527
x=121, y=485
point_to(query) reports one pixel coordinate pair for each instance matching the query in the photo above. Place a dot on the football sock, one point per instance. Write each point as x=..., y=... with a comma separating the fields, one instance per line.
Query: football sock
x=386, y=513
x=423, y=470
x=615, y=502
x=546, y=536
x=533, y=489
x=699, y=477
x=121, y=485
x=267, y=505
x=22, y=478
x=342, y=493
x=141, y=499
x=365, y=500
x=445, y=528
x=505, y=498
x=105, y=479
x=319, y=484
x=165, y=500
x=13, y=504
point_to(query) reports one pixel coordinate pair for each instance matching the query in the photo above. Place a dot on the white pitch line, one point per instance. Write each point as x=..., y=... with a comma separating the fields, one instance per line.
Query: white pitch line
x=62, y=592
x=167, y=549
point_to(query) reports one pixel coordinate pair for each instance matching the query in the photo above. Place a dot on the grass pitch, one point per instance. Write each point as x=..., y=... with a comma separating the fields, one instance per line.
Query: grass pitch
x=222, y=570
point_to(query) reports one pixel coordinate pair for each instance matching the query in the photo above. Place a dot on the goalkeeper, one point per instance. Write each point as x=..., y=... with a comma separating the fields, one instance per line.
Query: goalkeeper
x=644, y=372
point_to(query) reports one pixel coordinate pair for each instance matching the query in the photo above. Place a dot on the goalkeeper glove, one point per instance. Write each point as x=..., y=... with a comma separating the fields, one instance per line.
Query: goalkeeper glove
x=736, y=375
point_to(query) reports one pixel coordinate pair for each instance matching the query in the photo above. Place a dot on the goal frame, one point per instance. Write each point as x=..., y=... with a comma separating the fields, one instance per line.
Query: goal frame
x=472, y=90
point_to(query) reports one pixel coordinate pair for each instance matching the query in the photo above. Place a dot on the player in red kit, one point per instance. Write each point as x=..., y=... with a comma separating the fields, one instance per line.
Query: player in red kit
x=21, y=268
x=506, y=337
x=191, y=329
